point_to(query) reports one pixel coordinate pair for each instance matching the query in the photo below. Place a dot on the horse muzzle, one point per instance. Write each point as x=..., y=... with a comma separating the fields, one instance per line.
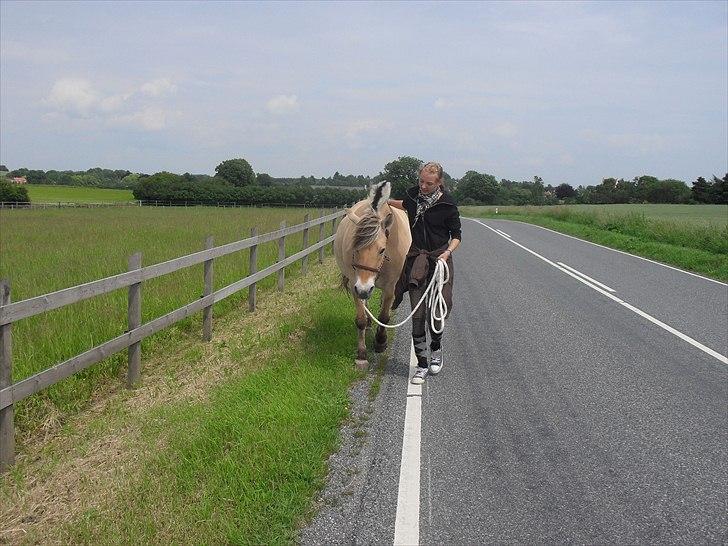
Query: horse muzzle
x=363, y=292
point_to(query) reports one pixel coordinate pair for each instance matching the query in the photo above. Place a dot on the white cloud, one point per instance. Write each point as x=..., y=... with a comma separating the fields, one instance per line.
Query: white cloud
x=158, y=87
x=78, y=98
x=73, y=95
x=442, y=104
x=282, y=104
x=148, y=119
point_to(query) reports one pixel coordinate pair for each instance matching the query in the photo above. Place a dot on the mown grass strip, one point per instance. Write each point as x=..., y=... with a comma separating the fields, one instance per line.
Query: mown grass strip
x=713, y=264
x=242, y=466
x=234, y=451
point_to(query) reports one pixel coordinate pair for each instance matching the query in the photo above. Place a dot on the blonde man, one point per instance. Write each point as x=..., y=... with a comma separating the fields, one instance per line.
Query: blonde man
x=434, y=221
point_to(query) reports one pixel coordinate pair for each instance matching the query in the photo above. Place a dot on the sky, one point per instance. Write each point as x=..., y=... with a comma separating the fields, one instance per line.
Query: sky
x=572, y=92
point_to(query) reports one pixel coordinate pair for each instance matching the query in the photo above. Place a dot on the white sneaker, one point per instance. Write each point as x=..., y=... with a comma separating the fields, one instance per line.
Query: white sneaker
x=436, y=361
x=419, y=377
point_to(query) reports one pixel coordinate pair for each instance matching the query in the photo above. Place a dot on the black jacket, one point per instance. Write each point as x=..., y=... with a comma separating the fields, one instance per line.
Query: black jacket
x=430, y=237
x=441, y=221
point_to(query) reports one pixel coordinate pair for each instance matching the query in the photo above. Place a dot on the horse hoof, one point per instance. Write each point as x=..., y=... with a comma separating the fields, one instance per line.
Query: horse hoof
x=361, y=365
x=380, y=348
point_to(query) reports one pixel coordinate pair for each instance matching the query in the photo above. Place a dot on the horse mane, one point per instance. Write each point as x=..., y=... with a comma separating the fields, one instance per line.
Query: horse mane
x=367, y=230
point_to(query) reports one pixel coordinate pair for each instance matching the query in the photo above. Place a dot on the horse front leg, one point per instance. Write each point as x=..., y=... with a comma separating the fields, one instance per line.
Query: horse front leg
x=380, y=340
x=361, y=324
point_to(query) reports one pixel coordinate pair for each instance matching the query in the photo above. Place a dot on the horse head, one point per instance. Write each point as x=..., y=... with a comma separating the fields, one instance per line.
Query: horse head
x=370, y=240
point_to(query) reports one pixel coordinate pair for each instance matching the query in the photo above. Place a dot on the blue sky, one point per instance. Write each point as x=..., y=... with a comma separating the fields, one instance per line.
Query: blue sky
x=572, y=92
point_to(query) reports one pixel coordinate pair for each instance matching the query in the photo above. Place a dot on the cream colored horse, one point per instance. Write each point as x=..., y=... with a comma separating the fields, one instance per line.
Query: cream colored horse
x=371, y=245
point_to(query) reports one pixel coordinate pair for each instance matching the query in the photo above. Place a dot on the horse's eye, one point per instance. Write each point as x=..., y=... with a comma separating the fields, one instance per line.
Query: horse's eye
x=381, y=251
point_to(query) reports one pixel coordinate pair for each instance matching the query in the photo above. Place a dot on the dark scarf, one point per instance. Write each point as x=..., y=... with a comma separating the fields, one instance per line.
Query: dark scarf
x=424, y=202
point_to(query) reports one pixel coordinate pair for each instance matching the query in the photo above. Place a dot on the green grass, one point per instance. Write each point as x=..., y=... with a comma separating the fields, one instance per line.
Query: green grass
x=238, y=463
x=695, y=240
x=46, y=250
x=243, y=467
x=40, y=193
x=693, y=214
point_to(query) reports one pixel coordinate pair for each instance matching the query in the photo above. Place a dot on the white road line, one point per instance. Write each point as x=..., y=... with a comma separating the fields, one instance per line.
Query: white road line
x=627, y=253
x=502, y=233
x=407, y=521
x=587, y=277
x=684, y=337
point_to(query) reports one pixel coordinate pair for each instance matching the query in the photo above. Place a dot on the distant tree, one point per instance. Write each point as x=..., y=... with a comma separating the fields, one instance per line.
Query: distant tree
x=482, y=188
x=13, y=193
x=720, y=190
x=702, y=191
x=3, y=168
x=264, y=179
x=402, y=174
x=237, y=172
x=537, y=191
x=565, y=191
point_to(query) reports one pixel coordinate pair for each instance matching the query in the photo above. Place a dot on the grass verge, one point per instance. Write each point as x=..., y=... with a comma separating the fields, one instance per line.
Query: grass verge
x=701, y=249
x=229, y=450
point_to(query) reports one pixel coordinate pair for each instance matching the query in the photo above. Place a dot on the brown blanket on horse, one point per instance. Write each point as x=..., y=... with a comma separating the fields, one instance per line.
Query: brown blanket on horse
x=418, y=269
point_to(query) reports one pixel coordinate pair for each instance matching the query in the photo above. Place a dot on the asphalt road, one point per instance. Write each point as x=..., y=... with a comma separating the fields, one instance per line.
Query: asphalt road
x=565, y=412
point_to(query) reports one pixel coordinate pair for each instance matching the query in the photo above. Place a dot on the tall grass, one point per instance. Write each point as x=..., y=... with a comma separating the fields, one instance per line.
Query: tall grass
x=694, y=245
x=43, y=251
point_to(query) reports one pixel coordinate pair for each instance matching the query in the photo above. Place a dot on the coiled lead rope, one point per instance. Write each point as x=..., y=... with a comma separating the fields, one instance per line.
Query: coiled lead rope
x=435, y=300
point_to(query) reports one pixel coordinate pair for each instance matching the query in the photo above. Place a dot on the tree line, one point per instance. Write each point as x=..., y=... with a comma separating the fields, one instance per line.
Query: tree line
x=235, y=181
x=174, y=188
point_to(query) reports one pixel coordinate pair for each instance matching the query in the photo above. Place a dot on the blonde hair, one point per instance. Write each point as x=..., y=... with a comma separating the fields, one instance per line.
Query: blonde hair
x=432, y=166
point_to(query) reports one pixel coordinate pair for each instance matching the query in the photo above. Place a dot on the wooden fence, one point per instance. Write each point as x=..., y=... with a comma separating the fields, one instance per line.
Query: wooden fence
x=10, y=392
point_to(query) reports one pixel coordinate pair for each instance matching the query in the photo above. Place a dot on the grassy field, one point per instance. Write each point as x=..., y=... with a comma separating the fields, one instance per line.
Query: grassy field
x=223, y=443
x=46, y=250
x=40, y=193
x=693, y=214
x=692, y=237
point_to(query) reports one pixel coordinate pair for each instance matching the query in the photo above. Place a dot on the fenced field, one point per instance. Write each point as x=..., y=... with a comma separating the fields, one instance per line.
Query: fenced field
x=40, y=193
x=44, y=251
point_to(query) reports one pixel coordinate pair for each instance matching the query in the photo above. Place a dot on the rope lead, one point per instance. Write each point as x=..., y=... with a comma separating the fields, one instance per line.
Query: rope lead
x=435, y=300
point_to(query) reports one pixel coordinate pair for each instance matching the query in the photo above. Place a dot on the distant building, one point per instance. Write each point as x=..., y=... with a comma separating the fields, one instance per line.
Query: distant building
x=19, y=180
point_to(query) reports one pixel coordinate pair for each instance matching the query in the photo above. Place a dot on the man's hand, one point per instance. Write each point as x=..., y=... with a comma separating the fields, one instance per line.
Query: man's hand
x=444, y=256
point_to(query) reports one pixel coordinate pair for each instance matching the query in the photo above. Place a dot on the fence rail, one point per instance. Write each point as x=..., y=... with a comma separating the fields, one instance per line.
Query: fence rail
x=11, y=393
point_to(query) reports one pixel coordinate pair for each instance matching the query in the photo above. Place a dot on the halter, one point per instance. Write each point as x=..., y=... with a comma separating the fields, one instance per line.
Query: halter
x=377, y=270
x=355, y=265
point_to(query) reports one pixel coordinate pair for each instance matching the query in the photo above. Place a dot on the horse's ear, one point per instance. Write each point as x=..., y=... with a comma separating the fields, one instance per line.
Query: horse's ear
x=387, y=223
x=352, y=216
x=378, y=194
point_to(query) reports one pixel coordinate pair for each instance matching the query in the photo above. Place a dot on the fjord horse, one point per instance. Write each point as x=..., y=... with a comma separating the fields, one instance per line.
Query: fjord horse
x=371, y=245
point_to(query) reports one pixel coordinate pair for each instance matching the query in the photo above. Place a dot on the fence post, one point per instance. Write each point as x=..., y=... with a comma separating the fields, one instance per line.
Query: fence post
x=207, y=311
x=281, y=257
x=7, y=418
x=304, y=261
x=252, y=269
x=322, y=227
x=134, y=317
x=333, y=232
